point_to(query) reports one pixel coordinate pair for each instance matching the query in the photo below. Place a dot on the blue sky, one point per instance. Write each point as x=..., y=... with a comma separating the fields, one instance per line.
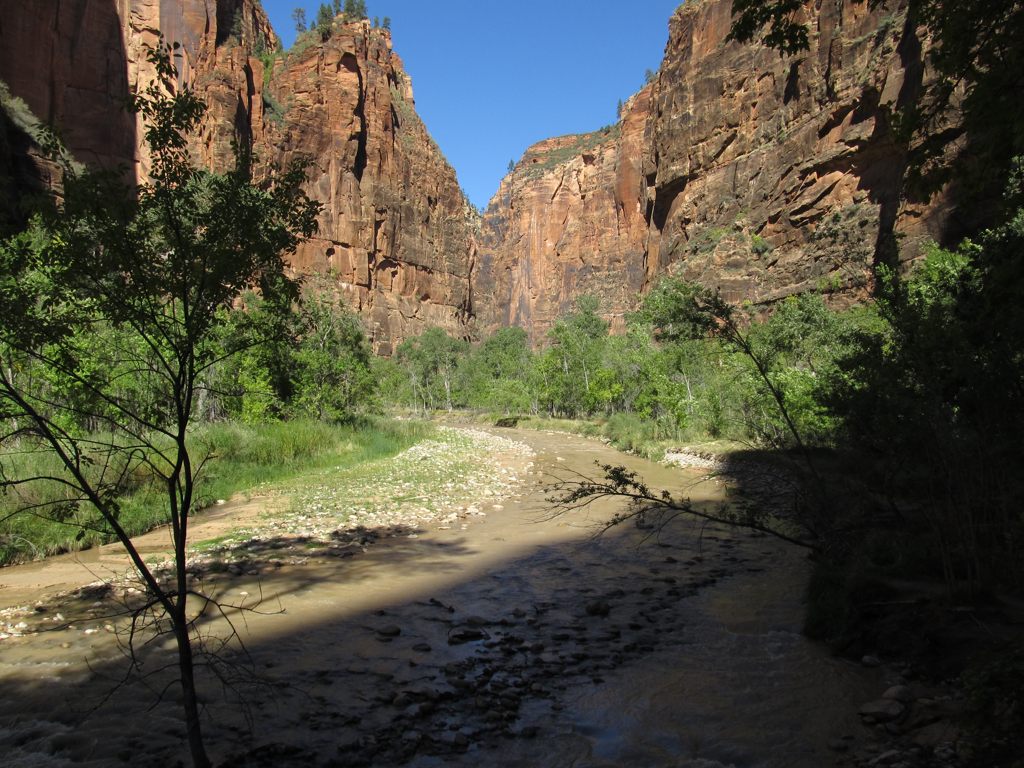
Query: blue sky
x=491, y=77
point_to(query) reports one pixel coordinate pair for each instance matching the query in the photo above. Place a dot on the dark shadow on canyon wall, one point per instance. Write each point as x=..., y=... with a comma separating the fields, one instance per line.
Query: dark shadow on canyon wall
x=66, y=63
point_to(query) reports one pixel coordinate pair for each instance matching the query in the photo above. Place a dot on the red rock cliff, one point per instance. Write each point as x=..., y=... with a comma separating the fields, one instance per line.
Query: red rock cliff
x=568, y=221
x=396, y=228
x=396, y=231
x=761, y=175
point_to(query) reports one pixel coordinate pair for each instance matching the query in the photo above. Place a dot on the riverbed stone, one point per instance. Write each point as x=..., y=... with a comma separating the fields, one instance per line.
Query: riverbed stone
x=882, y=710
x=900, y=693
x=887, y=758
x=461, y=635
x=932, y=735
x=838, y=745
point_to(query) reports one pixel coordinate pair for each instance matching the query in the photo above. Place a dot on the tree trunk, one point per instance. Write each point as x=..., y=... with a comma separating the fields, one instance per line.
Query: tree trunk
x=188, y=691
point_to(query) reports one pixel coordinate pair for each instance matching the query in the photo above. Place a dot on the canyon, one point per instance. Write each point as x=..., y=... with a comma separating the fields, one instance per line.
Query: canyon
x=760, y=175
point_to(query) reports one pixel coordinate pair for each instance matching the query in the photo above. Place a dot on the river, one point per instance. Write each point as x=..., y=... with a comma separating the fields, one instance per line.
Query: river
x=518, y=639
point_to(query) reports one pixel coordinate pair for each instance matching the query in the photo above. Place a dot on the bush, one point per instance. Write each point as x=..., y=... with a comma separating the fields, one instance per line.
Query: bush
x=759, y=245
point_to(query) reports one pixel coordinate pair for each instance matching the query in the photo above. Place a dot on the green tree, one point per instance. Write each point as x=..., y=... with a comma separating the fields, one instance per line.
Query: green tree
x=393, y=385
x=354, y=9
x=785, y=34
x=157, y=265
x=431, y=361
x=325, y=21
x=936, y=393
x=496, y=374
x=386, y=23
x=332, y=376
x=570, y=364
x=299, y=17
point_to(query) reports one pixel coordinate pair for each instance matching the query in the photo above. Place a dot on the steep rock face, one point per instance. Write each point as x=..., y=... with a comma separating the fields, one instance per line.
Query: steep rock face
x=74, y=64
x=67, y=62
x=771, y=176
x=760, y=175
x=396, y=228
x=568, y=221
x=396, y=231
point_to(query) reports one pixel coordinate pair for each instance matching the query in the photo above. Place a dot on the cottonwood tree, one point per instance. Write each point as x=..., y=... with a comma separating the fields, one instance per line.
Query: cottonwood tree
x=331, y=359
x=776, y=354
x=570, y=364
x=431, y=361
x=151, y=269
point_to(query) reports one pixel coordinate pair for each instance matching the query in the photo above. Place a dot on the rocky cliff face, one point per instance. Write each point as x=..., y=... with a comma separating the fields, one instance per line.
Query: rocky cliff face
x=568, y=221
x=396, y=228
x=396, y=232
x=760, y=175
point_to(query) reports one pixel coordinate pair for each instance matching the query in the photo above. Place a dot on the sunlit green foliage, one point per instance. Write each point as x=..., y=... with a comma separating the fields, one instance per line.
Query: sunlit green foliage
x=430, y=362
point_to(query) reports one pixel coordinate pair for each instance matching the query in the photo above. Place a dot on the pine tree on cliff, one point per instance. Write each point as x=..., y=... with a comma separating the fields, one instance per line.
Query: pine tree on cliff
x=325, y=20
x=355, y=9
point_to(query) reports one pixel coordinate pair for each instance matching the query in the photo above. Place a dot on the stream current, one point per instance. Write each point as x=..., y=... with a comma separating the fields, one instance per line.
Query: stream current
x=521, y=639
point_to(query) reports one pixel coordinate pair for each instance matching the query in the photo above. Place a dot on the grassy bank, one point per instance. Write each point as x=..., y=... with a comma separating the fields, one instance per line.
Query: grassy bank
x=242, y=458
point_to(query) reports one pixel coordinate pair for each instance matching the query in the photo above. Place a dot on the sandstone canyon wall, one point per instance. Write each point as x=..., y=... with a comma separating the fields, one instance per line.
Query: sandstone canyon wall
x=568, y=221
x=396, y=229
x=396, y=233
x=758, y=174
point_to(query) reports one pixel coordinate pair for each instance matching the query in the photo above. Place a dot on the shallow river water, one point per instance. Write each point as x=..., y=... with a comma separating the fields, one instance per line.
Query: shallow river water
x=520, y=640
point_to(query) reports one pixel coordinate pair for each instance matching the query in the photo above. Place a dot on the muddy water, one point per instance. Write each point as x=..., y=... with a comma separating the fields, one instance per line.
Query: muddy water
x=522, y=640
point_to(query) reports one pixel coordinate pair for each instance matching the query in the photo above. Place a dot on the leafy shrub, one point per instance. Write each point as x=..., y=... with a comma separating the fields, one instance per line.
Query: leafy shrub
x=759, y=245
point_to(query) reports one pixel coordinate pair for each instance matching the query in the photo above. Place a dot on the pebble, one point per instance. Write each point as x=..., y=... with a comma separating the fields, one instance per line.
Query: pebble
x=888, y=757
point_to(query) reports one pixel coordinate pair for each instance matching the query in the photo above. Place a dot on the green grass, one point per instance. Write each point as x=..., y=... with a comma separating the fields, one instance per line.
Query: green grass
x=241, y=458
